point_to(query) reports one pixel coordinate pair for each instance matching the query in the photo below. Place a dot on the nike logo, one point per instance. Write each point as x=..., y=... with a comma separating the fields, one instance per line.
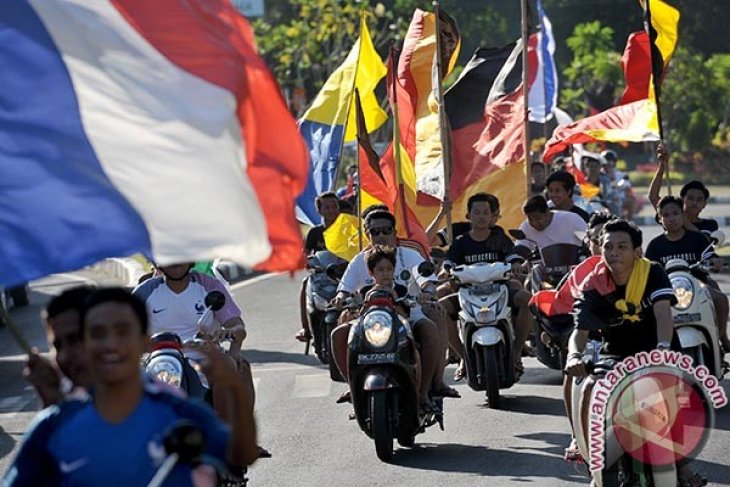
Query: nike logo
x=73, y=466
x=155, y=311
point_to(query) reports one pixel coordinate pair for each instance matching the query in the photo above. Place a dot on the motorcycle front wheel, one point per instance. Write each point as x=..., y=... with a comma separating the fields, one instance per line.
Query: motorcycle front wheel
x=381, y=426
x=490, y=357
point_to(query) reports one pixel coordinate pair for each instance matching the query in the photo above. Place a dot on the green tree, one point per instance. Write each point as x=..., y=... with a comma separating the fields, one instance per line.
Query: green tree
x=594, y=75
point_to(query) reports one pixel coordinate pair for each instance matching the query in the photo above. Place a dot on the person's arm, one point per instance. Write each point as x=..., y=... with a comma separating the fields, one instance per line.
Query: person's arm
x=237, y=327
x=241, y=449
x=45, y=378
x=432, y=232
x=664, y=324
x=656, y=183
x=576, y=344
x=34, y=465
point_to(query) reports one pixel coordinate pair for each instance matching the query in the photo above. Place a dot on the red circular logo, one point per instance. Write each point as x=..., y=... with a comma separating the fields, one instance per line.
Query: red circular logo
x=660, y=418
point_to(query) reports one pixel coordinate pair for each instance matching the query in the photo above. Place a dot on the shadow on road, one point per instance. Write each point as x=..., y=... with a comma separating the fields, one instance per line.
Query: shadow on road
x=7, y=443
x=531, y=405
x=256, y=356
x=481, y=460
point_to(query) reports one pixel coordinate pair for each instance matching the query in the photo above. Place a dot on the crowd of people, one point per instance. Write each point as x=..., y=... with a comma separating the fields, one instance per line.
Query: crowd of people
x=94, y=394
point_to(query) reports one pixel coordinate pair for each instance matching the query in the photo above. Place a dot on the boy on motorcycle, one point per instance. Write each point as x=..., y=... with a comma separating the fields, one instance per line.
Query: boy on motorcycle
x=328, y=207
x=694, y=196
x=679, y=243
x=560, y=186
x=483, y=244
x=115, y=438
x=380, y=227
x=544, y=227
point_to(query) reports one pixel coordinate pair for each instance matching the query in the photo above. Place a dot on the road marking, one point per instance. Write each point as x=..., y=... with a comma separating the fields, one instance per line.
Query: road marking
x=12, y=405
x=256, y=385
x=311, y=385
x=255, y=280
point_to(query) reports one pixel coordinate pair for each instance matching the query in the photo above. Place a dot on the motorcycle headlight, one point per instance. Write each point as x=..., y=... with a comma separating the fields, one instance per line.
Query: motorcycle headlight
x=378, y=327
x=165, y=369
x=684, y=291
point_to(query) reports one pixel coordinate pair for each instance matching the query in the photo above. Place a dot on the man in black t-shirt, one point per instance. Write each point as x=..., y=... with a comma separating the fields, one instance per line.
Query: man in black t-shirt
x=328, y=207
x=679, y=243
x=596, y=309
x=484, y=244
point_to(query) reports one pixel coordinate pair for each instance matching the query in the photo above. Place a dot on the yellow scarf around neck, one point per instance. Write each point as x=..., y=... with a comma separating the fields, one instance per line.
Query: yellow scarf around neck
x=631, y=305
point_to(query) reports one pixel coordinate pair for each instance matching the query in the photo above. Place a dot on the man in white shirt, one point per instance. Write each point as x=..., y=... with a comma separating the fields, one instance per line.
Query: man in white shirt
x=545, y=227
x=380, y=226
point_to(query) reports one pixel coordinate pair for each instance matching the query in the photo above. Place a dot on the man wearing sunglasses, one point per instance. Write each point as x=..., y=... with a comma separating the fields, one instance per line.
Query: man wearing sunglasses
x=380, y=227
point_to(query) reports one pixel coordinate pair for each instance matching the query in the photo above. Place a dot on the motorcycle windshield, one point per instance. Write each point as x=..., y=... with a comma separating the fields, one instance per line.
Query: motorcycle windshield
x=559, y=258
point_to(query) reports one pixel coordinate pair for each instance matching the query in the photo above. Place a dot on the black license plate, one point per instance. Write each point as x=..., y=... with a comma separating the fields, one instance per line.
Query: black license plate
x=376, y=358
x=687, y=317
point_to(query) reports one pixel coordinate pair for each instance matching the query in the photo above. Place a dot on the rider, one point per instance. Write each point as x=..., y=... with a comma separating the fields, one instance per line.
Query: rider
x=679, y=243
x=560, y=186
x=63, y=328
x=694, y=196
x=627, y=300
x=483, y=244
x=328, y=207
x=538, y=171
x=544, y=227
x=176, y=300
x=380, y=227
x=124, y=422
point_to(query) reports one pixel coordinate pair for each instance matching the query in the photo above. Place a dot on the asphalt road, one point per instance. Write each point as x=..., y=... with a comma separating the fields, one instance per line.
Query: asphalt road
x=314, y=443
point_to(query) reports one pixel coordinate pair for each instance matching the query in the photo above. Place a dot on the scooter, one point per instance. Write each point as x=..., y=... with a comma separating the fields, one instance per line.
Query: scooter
x=382, y=377
x=485, y=324
x=619, y=467
x=321, y=288
x=694, y=313
x=549, y=267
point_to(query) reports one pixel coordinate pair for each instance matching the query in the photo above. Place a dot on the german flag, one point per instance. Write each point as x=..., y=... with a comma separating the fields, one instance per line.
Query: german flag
x=485, y=108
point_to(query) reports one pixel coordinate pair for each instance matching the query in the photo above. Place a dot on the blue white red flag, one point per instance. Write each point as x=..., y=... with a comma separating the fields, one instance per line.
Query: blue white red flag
x=141, y=126
x=543, y=95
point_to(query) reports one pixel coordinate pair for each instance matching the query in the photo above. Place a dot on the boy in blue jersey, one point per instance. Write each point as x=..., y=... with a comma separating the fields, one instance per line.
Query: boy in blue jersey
x=115, y=437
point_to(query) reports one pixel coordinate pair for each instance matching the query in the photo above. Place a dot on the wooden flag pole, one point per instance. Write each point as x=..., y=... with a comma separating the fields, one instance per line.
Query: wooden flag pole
x=525, y=67
x=361, y=129
x=443, y=126
x=655, y=83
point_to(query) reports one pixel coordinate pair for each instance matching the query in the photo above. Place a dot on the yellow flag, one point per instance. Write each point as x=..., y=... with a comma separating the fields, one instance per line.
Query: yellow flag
x=370, y=70
x=664, y=20
x=342, y=239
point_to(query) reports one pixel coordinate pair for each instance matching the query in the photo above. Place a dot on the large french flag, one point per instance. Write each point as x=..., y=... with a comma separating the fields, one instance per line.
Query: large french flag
x=146, y=126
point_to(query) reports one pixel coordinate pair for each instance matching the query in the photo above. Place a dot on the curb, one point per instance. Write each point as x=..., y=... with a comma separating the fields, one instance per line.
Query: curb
x=722, y=221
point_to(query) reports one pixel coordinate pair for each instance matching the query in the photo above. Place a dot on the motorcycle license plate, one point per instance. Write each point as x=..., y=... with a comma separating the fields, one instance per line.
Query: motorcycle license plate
x=687, y=317
x=376, y=358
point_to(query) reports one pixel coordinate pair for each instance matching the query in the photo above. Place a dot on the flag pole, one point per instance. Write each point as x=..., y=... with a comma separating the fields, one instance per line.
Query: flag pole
x=656, y=84
x=526, y=94
x=443, y=129
x=360, y=130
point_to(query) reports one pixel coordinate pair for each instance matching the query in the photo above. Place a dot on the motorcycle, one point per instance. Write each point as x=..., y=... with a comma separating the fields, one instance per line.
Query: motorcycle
x=694, y=313
x=382, y=376
x=619, y=467
x=485, y=324
x=321, y=288
x=549, y=267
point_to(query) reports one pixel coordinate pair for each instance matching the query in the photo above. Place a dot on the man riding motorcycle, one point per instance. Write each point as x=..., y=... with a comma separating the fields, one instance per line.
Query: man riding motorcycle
x=380, y=227
x=544, y=227
x=626, y=300
x=560, y=186
x=328, y=207
x=485, y=244
x=176, y=300
x=679, y=243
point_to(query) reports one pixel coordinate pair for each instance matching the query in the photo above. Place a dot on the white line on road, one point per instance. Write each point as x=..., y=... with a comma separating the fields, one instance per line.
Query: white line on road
x=255, y=280
x=311, y=385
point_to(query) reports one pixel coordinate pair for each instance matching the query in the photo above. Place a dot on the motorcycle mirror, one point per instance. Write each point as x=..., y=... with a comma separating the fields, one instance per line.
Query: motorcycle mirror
x=215, y=300
x=718, y=238
x=186, y=439
x=517, y=233
x=405, y=275
x=426, y=269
